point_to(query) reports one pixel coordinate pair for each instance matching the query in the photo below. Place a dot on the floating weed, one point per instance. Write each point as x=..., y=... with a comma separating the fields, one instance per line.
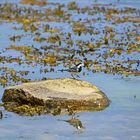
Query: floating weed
x=90, y=45
x=58, y=11
x=102, y=48
x=10, y=76
x=34, y=2
x=25, y=21
x=15, y=37
x=72, y=6
x=33, y=28
x=51, y=30
x=133, y=47
x=117, y=50
x=88, y=63
x=69, y=42
x=80, y=28
x=39, y=39
x=19, y=48
x=109, y=29
x=53, y=39
x=106, y=39
x=3, y=81
x=51, y=59
x=31, y=58
x=138, y=37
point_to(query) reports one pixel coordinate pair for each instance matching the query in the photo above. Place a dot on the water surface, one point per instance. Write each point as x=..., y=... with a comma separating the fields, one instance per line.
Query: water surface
x=119, y=121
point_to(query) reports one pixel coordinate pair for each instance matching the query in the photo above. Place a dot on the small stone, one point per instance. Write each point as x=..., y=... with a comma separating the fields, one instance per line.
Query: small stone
x=1, y=114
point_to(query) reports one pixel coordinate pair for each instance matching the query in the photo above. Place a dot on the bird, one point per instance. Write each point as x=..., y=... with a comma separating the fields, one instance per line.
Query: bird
x=74, y=70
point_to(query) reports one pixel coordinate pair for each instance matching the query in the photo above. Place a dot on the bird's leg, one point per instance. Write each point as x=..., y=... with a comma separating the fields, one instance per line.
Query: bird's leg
x=73, y=76
x=78, y=76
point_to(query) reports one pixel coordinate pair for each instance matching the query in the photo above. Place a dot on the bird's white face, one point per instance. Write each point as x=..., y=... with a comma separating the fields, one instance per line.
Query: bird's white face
x=80, y=65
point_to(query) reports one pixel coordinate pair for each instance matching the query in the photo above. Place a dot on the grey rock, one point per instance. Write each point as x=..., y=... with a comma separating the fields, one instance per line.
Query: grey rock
x=70, y=94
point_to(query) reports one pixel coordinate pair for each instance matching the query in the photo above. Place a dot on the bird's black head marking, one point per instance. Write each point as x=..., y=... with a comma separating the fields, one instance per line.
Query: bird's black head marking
x=79, y=67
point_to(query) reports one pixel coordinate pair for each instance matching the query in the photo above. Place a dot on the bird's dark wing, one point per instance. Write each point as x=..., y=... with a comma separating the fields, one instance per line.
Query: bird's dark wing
x=73, y=69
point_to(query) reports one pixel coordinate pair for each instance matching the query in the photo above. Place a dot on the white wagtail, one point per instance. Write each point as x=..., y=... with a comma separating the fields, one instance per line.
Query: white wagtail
x=74, y=70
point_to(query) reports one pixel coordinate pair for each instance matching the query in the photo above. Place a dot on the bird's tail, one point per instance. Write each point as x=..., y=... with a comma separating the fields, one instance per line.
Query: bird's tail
x=63, y=70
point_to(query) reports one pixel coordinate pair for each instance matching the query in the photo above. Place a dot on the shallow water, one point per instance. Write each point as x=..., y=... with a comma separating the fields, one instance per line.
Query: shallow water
x=119, y=121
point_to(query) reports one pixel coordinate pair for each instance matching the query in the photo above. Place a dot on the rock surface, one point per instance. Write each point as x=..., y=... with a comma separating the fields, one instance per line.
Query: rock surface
x=60, y=95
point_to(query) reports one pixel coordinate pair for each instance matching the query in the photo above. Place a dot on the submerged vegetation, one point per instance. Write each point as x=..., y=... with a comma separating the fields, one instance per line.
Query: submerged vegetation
x=105, y=37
